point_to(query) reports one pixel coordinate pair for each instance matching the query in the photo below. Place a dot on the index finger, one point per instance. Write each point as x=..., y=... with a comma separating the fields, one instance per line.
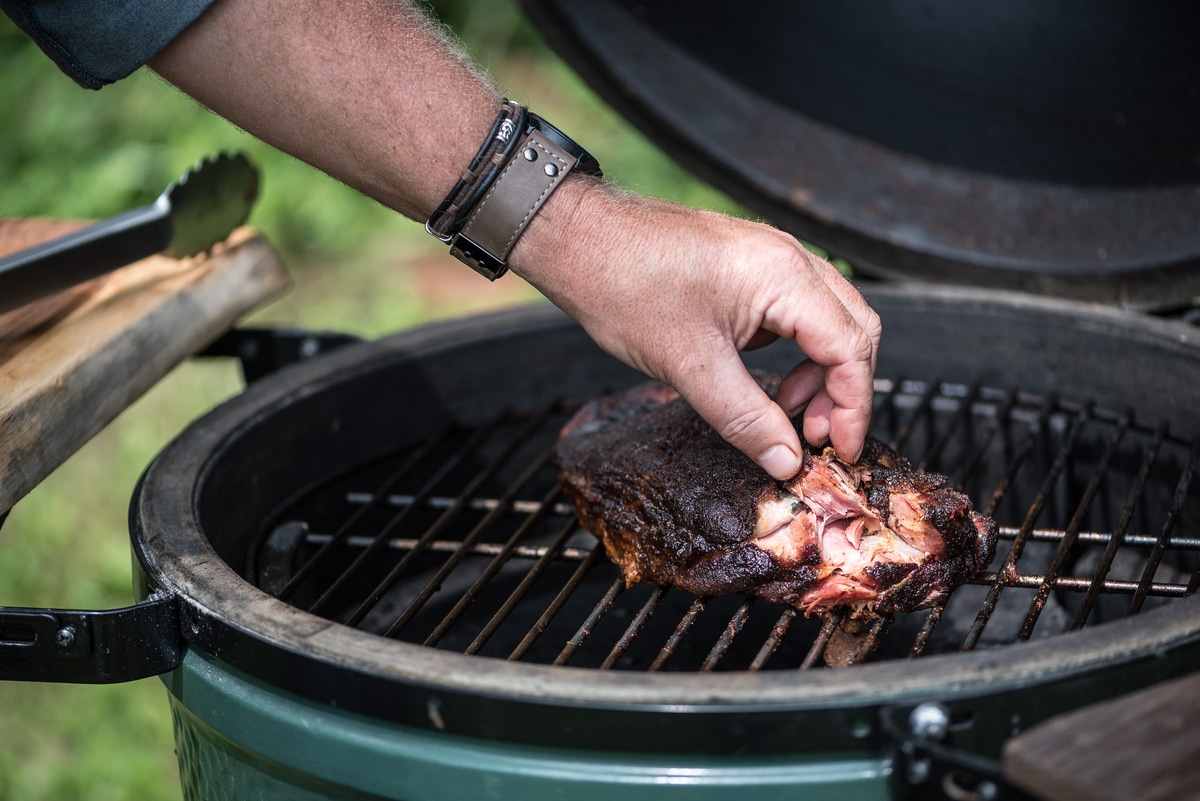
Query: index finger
x=837, y=330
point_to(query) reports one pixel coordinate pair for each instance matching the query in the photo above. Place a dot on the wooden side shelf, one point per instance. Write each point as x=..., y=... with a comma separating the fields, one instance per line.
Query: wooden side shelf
x=1143, y=746
x=71, y=363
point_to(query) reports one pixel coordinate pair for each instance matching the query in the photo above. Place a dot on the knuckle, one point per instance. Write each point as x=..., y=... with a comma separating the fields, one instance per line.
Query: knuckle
x=863, y=339
x=873, y=326
x=780, y=248
x=862, y=346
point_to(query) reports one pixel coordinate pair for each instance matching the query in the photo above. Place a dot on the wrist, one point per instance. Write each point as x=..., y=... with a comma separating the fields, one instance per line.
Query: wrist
x=559, y=242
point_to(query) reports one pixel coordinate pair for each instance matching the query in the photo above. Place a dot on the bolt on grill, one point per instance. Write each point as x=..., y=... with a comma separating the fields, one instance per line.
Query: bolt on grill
x=465, y=543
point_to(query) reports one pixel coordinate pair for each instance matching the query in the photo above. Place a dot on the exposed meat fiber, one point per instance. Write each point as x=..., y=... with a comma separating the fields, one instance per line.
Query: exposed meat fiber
x=675, y=504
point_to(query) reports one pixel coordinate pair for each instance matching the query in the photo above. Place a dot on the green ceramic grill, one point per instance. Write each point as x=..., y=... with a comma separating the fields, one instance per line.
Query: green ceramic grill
x=383, y=594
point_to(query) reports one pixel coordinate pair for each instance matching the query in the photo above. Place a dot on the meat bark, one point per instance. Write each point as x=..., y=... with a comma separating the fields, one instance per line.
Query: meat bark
x=675, y=504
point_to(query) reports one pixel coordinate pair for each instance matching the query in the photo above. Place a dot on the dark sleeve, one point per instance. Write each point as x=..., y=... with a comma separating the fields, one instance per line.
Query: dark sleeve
x=97, y=42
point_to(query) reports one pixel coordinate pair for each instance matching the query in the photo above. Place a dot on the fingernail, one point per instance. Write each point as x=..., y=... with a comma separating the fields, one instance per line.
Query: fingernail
x=780, y=461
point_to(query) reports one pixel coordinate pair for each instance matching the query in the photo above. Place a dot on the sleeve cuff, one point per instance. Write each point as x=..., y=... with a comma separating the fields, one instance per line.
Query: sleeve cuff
x=102, y=41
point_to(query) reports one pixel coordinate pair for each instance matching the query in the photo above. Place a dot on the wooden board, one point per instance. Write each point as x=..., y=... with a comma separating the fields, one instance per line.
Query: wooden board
x=18, y=234
x=71, y=366
x=1144, y=746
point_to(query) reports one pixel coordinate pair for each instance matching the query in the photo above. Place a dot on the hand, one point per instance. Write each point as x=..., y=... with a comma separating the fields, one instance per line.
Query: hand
x=677, y=293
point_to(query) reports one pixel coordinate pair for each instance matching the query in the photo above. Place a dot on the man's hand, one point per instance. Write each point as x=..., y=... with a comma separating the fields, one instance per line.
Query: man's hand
x=677, y=293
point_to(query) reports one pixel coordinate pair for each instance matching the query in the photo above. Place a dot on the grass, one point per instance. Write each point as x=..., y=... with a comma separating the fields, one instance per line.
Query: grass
x=66, y=152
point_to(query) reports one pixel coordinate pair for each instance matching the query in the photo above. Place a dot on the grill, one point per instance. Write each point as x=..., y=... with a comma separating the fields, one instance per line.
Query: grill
x=379, y=532
x=462, y=542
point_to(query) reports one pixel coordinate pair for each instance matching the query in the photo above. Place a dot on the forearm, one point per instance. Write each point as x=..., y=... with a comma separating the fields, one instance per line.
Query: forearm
x=367, y=92
x=373, y=94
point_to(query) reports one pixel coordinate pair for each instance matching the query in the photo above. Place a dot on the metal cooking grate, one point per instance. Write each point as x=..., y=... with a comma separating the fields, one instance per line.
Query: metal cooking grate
x=465, y=543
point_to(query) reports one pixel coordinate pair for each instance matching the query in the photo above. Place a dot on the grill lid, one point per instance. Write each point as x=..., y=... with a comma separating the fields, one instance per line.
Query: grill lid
x=1040, y=147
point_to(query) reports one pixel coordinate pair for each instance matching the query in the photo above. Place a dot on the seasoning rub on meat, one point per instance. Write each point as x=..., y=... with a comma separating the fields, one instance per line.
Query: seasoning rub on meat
x=675, y=504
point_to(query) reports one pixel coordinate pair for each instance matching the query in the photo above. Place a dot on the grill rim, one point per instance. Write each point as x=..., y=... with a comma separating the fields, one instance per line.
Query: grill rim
x=227, y=617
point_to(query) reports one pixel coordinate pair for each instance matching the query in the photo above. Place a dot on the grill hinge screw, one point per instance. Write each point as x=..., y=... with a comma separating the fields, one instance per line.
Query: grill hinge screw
x=929, y=721
x=65, y=637
x=919, y=771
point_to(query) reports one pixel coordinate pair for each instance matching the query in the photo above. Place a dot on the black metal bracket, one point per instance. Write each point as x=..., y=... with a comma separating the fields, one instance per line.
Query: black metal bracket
x=262, y=351
x=91, y=647
x=1191, y=317
x=926, y=768
x=952, y=749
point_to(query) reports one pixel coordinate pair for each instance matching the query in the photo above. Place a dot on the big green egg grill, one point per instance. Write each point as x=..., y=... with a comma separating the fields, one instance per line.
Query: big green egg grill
x=383, y=594
x=359, y=579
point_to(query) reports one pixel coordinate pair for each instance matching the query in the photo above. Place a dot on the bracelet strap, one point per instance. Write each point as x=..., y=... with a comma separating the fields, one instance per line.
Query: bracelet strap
x=501, y=142
x=518, y=192
x=522, y=161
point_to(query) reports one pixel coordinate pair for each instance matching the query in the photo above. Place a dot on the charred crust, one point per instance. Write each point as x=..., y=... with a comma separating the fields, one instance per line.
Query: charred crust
x=878, y=498
x=790, y=591
x=926, y=585
x=738, y=569
x=888, y=573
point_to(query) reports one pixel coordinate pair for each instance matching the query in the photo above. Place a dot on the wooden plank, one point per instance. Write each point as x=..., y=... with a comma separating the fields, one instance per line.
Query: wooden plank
x=68, y=377
x=1144, y=746
x=18, y=234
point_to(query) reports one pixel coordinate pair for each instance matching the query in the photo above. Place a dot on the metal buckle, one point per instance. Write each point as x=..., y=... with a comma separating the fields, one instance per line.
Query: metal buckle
x=477, y=257
x=435, y=234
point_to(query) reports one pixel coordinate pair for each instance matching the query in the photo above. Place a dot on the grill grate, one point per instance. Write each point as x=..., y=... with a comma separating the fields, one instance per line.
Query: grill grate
x=465, y=543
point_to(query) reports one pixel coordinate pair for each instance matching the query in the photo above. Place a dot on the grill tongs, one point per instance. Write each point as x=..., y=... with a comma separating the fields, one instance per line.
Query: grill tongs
x=191, y=215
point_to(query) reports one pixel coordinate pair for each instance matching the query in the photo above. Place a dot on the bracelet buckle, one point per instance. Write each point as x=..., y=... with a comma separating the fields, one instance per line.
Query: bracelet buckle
x=477, y=257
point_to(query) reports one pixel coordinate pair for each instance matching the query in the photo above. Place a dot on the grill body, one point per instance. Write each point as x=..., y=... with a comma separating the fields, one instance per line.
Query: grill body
x=284, y=698
x=240, y=738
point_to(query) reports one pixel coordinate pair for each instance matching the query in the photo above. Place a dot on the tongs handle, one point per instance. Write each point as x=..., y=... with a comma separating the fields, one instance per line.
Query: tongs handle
x=62, y=263
x=191, y=215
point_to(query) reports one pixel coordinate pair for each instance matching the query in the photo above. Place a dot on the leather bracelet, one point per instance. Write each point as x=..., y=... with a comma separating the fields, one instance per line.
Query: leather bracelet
x=492, y=229
x=541, y=161
x=493, y=154
x=520, y=163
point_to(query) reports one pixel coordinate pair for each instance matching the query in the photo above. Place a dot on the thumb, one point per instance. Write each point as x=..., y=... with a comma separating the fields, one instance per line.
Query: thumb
x=733, y=403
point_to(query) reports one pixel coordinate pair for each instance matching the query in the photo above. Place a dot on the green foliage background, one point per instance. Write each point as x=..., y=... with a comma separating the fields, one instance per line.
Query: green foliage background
x=69, y=153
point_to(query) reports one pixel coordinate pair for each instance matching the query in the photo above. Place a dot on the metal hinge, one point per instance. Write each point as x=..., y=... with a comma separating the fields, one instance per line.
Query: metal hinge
x=264, y=350
x=91, y=647
x=925, y=767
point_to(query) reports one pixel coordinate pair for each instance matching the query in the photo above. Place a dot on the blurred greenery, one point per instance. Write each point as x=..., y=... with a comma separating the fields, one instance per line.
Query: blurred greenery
x=70, y=153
